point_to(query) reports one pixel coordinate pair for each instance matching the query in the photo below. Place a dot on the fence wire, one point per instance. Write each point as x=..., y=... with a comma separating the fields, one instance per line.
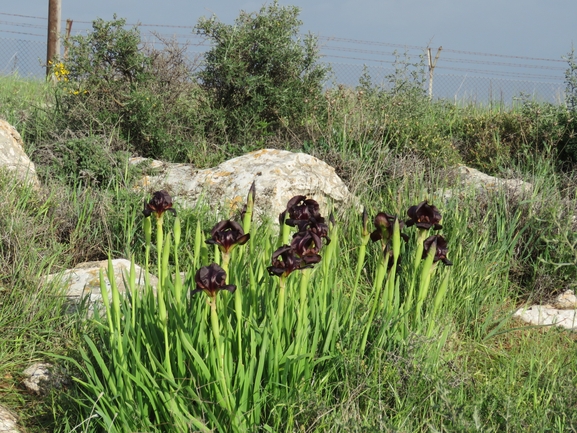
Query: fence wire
x=461, y=76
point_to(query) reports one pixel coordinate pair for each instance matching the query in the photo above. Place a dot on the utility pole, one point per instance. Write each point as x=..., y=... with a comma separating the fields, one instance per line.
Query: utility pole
x=53, y=45
x=432, y=65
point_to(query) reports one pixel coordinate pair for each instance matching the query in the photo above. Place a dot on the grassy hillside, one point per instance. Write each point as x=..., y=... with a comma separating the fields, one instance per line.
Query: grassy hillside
x=343, y=356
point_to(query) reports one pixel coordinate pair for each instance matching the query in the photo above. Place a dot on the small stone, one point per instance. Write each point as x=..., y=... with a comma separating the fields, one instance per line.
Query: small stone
x=40, y=378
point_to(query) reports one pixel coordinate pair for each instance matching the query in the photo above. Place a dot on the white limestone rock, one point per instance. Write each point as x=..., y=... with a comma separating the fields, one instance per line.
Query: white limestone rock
x=12, y=155
x=278, y=175
x=566, y=300
x=473, y=179
x=82, y=283
x=8, y=421
x=562, y=312
x=547, y=315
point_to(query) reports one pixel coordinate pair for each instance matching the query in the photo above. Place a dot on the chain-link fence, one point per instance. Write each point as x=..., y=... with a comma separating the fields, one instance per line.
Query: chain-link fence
x=459, y=76
x=24, y=57
x=457, y=88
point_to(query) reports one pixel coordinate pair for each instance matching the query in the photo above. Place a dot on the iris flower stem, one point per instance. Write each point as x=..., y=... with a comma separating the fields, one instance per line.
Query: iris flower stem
x=224, y=265
x=360, y=264
x=378, y=284
x=219, y=353
x=237, y=303
x=426, y=272
x=281, y=299
x=302, y=322
x=162, y=314
x=159, y=244
x=147, y=226
x=391, y=281
x=177, y=278
x=421, y=236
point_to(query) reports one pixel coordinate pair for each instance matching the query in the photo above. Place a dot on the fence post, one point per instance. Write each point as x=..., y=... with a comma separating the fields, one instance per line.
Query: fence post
x=67, y=37
x=53, y=45
x=432, y=65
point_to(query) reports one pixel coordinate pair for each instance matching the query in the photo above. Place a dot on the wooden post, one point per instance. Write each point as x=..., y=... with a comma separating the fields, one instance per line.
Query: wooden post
x=432, y=65
x=68, y=30
x=53, y=46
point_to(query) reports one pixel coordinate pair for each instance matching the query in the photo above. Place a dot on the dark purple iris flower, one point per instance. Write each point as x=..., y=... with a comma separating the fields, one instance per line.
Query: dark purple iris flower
x=441, y=251
x=424, y=216
x=303, y=252
x=320, y=229
x=210, y=279
x=384, y=224
x=285, y=261
x=228, y=234
x=306, y=245
x=160, y=202
x=299, y=208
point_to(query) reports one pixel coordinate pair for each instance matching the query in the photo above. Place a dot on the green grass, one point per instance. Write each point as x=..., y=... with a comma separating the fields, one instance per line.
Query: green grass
x=480, y=370
x=17, y=95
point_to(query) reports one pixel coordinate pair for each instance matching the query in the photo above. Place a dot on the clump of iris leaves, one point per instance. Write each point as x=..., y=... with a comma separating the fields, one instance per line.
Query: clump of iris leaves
x=275, y=315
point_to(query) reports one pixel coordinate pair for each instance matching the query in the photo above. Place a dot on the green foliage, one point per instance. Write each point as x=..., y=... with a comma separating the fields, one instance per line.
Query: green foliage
x=17, y=95
x=571, y=81
x=403, y=119
x=240, y=358
x=547, y=127
x=89, y=161
x=112, y=85
x=259, y=74
x=104, y=69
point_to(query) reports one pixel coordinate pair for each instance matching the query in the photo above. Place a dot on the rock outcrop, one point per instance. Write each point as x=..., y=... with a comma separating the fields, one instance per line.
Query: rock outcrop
x=13, y=157
x=561, y=312
x=473, y=179
x=278, y=175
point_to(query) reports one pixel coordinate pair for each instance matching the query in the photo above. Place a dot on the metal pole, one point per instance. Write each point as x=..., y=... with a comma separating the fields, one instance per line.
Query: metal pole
x=53, y=45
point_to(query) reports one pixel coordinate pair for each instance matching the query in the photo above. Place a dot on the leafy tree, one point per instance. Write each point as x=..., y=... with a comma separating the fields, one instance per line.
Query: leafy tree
x=259, y=71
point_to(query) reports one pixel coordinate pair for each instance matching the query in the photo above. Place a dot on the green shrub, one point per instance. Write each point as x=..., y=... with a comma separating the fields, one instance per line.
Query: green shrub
x=571, y=81
x=88, y=160
x=111, y=84
x=259, y=75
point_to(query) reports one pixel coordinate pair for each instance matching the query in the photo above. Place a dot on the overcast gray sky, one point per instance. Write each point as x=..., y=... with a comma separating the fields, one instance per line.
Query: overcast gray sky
x=535, y=28
x=514, y=29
